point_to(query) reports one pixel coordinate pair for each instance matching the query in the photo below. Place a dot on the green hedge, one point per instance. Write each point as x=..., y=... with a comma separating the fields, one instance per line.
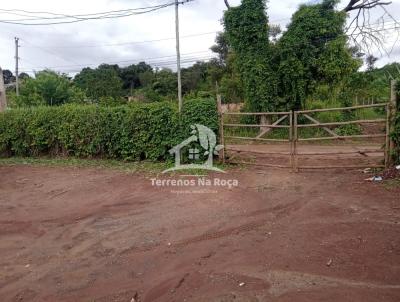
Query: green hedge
x=132, y=132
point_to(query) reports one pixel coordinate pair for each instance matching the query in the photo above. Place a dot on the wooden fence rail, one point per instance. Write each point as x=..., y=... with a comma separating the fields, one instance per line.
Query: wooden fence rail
x=335, y=136
x=294, y=138
x=342, y=109
x=343, y=123
x=256, y=126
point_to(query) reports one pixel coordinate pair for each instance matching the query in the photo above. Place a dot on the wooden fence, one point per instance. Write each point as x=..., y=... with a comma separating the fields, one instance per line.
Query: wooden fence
x=291, y=119
x=334, y=136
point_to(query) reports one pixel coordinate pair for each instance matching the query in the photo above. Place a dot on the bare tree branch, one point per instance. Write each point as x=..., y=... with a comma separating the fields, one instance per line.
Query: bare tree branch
x=227, y=4
x=368, y=35
x=365, y=4
x=350, y=5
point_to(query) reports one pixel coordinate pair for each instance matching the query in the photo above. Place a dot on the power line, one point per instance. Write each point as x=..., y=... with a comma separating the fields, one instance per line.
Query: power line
x=163, y=64
x=89, y=14
x=133, y=42
x=79, y=20
x=50, y=52
x=87, y=17
x=161, y=61
x=149, y=60
x=182, y=37
x=57, y=16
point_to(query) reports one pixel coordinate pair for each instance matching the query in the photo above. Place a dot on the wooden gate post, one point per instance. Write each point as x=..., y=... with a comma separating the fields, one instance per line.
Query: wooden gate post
x=3, y=99
x=392, y=119
x=295, y=139
x=221, y=129
x=291, y=139
x=387, y=142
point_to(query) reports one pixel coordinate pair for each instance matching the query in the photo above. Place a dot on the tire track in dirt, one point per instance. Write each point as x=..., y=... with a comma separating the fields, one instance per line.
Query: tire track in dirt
x=280, y=212
x=283, y=282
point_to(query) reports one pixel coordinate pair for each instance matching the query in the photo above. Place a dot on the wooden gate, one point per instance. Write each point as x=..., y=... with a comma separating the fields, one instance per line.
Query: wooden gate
x=294, y=122
x=283, y=120
x=304, y=119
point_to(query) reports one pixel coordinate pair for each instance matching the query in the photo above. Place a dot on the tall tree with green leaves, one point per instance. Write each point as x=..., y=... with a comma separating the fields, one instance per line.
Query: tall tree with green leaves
x=48, y=88
x=103, y=81
x=247, y=32
x=314, y=51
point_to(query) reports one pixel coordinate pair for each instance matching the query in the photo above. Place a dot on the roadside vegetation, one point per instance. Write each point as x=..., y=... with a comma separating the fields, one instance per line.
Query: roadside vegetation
x=131, y=132
x=117, y=111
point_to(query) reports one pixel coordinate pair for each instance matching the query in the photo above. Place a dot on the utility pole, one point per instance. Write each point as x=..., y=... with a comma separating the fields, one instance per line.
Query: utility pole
x=16, y=66
x=3, y=100
x=178, y=55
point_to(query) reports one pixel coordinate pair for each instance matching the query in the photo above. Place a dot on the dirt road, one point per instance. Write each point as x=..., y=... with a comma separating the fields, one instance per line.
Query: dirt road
x=73, y=234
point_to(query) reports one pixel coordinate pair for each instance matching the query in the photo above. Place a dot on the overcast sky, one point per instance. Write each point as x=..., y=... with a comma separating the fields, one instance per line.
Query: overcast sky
x=70, y=47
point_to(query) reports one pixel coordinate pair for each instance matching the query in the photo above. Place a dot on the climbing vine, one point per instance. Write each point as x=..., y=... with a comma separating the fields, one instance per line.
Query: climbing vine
x=247, y=33
x=312, y=51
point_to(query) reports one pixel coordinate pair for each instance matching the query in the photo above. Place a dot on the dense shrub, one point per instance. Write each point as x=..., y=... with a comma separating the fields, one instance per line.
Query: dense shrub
x=131, y=132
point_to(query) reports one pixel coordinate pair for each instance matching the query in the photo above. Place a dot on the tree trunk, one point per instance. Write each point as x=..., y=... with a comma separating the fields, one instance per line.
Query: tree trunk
x=265, y=120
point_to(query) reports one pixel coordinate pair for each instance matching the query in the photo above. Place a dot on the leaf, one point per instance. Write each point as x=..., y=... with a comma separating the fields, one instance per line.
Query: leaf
x=203, y=136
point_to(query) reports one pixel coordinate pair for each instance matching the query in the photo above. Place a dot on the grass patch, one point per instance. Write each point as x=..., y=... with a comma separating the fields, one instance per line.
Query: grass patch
x=146, y=167
x=391, y=184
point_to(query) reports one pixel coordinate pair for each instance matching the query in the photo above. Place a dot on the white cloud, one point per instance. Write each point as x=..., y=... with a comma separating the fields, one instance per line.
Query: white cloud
x=62, y=46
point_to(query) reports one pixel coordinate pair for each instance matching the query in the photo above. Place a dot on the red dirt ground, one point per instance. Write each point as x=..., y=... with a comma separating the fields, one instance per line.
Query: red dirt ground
x=74, y=234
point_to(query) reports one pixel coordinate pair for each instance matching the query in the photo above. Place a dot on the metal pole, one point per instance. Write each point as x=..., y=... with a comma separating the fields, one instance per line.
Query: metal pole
x=178, y=55
x=16, y=66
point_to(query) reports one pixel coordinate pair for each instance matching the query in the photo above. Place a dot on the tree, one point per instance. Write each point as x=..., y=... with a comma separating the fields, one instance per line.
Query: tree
x=371, y=60
x=248, y=34
x=221, y=47
x=146, y=78
x=362, y=32
x=274, y=32
x=132, y=76
x=165, y=83
x=194, y=78
x=103, y=81
x=313, y=51
x=8, y=76
x=48, y=88
x=224, y=71
x=23, y=76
